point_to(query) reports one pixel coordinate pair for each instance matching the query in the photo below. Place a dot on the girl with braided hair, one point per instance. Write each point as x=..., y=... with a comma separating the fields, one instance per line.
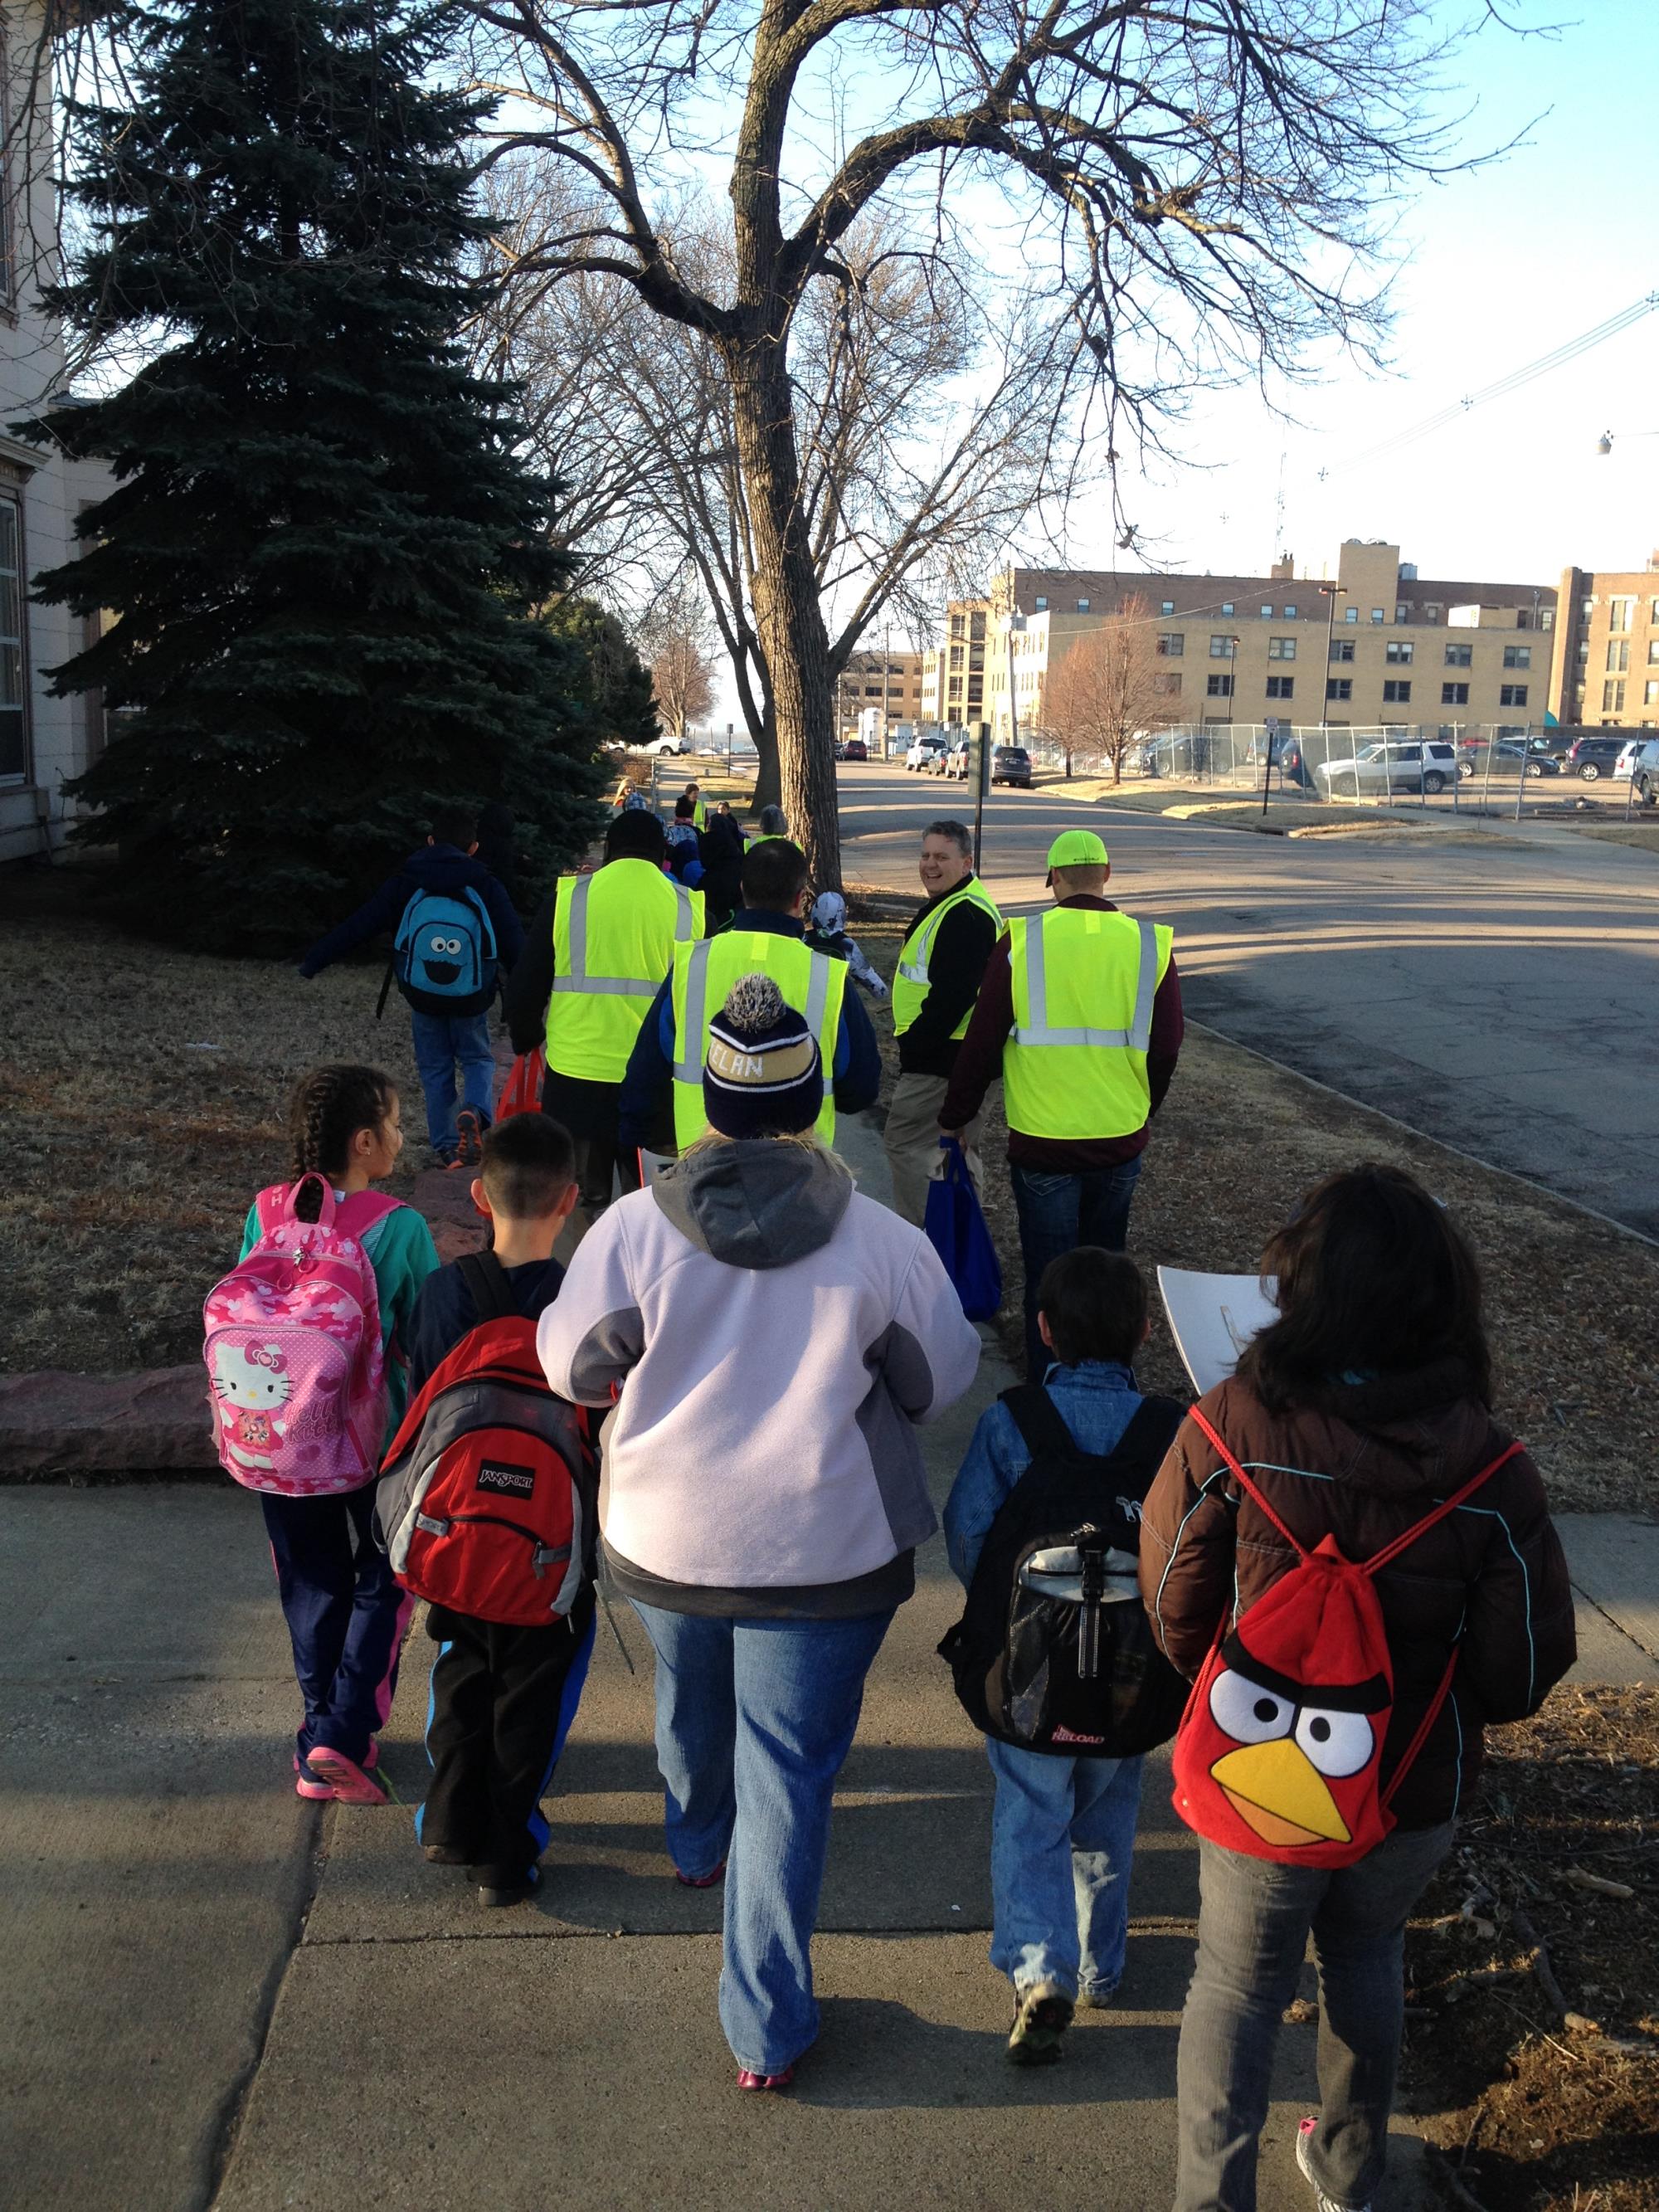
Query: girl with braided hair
x=346, y=1616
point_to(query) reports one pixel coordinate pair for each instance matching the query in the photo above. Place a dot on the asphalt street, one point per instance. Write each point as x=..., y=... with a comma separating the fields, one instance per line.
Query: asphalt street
x=1496, y=991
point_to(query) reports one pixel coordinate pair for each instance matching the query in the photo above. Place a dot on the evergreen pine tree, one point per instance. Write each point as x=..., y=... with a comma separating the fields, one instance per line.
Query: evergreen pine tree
x=617, y=687
x=322, y=553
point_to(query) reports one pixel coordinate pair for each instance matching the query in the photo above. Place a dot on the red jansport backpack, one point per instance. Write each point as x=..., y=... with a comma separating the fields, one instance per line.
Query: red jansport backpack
x=1278, y=1750
x=489, y=1493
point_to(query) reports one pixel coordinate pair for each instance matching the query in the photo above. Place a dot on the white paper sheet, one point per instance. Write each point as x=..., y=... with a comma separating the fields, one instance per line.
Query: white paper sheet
x=1212, y=1318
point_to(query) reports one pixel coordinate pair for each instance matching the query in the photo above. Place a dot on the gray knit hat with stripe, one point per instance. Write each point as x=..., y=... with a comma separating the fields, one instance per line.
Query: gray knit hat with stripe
x=763, y=1076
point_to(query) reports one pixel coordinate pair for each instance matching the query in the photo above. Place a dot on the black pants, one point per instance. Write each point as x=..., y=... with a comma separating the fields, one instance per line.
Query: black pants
x=503, y=1702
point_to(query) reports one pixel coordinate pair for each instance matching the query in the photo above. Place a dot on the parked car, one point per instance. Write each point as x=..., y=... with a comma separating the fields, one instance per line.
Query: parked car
x=1590, y=758
x=924, y=751
x=1377, y=770
x=953, y=763
x=1506, y=755
x=1012, y=764
x=1640, y=762
x=856, y=749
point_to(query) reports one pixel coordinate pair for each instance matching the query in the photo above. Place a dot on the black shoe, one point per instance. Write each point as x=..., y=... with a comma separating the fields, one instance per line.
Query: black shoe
x=447, y=1855
x=492, y=1894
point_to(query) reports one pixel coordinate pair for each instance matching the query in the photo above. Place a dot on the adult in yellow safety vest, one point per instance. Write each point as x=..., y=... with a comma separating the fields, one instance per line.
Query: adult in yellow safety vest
x=699, y=808
x=940, y=965
x=765, y=938
x=596, y=952
x=1079, y=1013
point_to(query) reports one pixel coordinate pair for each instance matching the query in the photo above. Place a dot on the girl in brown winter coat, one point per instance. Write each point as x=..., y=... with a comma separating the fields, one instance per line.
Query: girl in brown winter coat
x=1362, y=1404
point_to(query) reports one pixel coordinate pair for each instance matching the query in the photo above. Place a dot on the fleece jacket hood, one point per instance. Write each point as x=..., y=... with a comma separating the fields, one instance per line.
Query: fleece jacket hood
x=755, y=1202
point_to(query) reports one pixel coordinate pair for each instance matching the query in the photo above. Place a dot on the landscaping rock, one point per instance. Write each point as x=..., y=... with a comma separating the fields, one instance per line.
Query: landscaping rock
x=54, y=1423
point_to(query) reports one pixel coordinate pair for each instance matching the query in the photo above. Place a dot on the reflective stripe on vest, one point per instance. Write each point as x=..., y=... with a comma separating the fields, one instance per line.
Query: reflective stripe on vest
x=1076, y=1079
x=814, y=992
x=602, y=992
x=911, y=977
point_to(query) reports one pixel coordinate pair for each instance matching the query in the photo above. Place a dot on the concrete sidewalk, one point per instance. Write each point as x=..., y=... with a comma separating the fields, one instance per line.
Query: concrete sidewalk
x=220, y=1996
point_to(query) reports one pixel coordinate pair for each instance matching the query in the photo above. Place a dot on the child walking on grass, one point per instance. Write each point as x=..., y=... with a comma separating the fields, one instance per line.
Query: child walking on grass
x=345, y=1613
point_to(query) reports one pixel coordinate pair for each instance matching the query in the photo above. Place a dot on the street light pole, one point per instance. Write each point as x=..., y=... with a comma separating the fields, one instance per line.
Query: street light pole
x=1330, y=593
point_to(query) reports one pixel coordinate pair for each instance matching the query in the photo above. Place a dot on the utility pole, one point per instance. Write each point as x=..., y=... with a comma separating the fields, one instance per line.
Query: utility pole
x=886, y=656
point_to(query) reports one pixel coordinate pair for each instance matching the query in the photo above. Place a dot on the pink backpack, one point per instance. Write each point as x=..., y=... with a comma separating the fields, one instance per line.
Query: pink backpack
x=296, y=1375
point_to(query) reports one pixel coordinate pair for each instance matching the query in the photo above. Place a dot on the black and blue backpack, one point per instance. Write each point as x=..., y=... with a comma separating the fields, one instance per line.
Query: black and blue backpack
x=444, y=955
x=1053, y=1651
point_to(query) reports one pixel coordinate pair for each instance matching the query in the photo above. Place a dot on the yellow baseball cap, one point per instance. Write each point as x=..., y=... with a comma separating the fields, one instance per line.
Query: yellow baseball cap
x=1077, y=848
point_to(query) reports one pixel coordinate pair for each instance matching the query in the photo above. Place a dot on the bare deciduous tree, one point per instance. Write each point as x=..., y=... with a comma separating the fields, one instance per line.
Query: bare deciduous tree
x=1106, y=690
x=676, y=640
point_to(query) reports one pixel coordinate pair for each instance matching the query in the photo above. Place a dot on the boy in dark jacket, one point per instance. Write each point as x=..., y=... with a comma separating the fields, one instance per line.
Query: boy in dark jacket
x=448, y=973
x=502, y=1698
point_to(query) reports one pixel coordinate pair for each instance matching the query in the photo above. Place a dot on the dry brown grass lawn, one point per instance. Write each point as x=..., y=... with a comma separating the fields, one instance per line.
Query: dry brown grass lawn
x=1571, y=1299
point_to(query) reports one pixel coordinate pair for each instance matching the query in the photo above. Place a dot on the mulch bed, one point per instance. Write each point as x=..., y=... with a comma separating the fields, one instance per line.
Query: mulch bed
x=1532, y=2045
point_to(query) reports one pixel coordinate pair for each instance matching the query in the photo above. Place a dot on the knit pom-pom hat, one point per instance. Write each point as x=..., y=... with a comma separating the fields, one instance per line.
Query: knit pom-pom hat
x=762, y=1077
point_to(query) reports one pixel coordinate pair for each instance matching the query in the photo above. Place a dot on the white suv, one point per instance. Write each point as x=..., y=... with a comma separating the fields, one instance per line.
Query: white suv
x=925, y=752
x=1381, y=770
x=1640, y=762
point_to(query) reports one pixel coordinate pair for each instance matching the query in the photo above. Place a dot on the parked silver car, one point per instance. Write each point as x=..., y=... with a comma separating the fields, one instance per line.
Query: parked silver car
x=1377, y=771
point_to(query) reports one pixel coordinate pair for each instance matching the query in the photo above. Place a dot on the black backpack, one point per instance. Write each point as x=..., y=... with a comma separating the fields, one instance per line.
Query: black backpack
x=1053, y=1651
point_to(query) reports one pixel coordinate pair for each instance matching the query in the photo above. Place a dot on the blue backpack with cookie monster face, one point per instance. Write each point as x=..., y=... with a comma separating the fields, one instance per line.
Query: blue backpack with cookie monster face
x=445, y=951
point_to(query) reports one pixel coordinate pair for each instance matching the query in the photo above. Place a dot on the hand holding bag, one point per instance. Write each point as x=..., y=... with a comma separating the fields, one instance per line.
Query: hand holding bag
x=955, y=1228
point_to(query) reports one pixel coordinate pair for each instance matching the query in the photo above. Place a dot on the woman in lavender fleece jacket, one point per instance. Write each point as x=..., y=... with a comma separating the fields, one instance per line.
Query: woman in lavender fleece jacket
x=772, y=1339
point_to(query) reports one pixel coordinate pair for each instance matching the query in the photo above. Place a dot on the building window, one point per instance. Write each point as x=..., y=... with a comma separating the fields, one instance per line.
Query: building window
x=1266, y=614
x=1650, y=694
x=14, y=709
x=1512, y=694
x=1338, y=687
x=1041, y=604
x=1221, y=647
x=1459, y=656
x=1342, y=648
x=1379, y=614
x=955, y=656
x=1396, y=693
x=1281, y=687
x=1398, y=649
x=1618, y=655
x=1517, y=656
x=1167, y=607
x=1351, y=614
x=1281, y=648
x=1613, y=698
x=958, y=626
x=1167, y=684
x=1220, y=687
x=1227, y=607
x=1402, y=612
x=1453, y=695
x=1619, y=613
x=1290, y=614
x=1172, y=645
x=1083, y=607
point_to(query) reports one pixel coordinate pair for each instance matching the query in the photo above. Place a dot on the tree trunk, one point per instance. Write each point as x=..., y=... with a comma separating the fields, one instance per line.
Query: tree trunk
x=787, y=616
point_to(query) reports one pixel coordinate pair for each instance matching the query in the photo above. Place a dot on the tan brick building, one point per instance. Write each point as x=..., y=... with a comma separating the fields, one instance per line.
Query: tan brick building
x=889, y=680
x=1606, y=664
x=1393, y=648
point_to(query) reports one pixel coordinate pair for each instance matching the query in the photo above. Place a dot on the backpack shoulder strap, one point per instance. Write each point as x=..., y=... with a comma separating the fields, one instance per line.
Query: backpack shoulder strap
x=1379, y=1559
x=492, y=1294
x=1039, y=1421
x=356, y=1215
x=1202, y=1421
x=1151, y=1428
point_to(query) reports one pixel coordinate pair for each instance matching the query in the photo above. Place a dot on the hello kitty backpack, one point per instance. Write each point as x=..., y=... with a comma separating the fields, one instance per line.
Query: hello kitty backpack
x=296, y=1375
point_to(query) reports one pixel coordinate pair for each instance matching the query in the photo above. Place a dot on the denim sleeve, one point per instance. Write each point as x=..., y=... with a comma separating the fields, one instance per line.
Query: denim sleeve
x=995, y=1460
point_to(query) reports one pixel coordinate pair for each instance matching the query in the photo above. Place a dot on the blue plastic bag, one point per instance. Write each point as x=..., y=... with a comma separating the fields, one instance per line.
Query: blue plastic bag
x=954, y=1226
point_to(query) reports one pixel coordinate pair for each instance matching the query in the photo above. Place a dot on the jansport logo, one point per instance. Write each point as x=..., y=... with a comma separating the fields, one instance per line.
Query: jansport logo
x=506, y=1479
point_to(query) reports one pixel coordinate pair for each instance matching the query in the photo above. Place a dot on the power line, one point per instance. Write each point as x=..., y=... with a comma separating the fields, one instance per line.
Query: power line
x=1504, y=384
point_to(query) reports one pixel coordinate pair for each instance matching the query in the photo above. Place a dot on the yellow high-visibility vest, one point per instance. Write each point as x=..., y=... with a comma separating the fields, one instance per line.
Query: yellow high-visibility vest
x=1084, y=981
x=614, y=935
x=910, y=979
x=811, y=983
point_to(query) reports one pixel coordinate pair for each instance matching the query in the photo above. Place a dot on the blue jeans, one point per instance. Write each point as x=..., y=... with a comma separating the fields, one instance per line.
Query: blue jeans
x=441, y=1040
x=1254, y=1921
x=1062, y=1835
x=1058, y=1213
x=754, y=1718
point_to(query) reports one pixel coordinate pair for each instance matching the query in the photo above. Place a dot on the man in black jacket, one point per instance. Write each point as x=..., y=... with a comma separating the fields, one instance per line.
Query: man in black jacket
x=940, y=967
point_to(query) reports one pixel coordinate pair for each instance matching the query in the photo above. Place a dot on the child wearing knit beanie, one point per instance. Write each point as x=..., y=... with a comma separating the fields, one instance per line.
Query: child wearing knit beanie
x=763, y=1076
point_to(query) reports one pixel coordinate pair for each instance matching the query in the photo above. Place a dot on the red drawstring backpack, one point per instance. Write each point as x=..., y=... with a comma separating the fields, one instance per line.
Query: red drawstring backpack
x=1279, y=1752
x=521, y=1093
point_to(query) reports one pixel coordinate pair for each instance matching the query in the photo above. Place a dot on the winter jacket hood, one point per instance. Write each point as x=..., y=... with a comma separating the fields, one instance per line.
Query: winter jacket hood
x=1363, y=1464
x=755, y=1202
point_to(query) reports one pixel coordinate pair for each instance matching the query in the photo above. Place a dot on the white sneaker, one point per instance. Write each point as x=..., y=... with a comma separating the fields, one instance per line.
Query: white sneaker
x=1304, y=2137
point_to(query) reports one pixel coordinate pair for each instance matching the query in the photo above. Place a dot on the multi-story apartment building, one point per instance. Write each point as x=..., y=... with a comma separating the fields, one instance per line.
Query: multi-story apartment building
x=953, y=672
x=43, y=740
x=1605, y=667
x=1377, y=644
x=890, y=681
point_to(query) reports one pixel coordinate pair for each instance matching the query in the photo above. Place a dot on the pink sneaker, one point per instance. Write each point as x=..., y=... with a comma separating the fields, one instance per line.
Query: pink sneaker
x=748, y=2081
x=700, y=1880
x=348, y=1782
x=308, y=1784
